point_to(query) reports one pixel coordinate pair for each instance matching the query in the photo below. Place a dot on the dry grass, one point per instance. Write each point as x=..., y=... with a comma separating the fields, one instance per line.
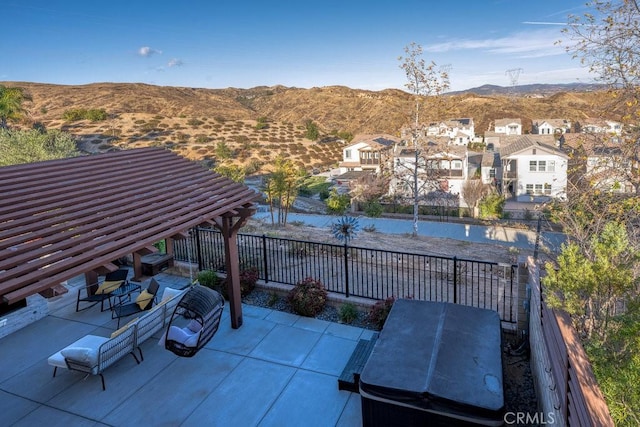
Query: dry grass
x=192, y=121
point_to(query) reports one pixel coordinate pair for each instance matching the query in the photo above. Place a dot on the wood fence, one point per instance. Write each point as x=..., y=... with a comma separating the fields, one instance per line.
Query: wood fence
x=567, y=390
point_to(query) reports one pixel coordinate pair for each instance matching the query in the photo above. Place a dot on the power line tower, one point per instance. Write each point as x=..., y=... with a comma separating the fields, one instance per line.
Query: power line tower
x=513, y=74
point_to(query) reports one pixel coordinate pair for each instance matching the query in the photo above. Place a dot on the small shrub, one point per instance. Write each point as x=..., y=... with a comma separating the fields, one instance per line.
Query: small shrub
x=195, y=122
x=273, y=299
x=308, y=297
x=248, y=279
x=380, y=311
x=373, y=209
x=370, y=228
x=348, y=313
x=209, y=279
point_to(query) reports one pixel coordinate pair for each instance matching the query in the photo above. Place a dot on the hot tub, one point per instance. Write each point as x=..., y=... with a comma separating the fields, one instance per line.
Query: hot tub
x=435, y=364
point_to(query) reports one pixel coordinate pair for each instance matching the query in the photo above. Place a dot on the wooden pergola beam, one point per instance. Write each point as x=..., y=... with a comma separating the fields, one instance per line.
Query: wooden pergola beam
x=62, y=218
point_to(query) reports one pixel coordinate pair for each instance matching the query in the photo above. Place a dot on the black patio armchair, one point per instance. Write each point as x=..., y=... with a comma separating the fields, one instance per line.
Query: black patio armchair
x=143, y=302
x=100, y=292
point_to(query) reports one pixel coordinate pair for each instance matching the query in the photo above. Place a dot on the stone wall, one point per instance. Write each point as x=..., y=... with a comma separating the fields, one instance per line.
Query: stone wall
x=36, y=309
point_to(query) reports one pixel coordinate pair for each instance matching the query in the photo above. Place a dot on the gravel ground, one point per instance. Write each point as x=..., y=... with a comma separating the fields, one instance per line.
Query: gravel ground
x=517, y=381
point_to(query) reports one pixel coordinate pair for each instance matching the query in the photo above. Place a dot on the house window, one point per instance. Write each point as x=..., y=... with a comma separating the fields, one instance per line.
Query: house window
x=538, y=189
x=547, y=189
x=551, y=166
x=492, y=173
x=529, y=188
x=542, y=166
x=347, y=154
x=456, y=164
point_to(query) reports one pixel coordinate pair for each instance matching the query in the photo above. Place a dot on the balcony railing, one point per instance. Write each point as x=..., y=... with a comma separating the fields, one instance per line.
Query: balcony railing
x=369, y=273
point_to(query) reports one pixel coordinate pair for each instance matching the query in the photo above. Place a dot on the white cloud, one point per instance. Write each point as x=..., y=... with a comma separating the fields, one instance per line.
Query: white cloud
x=147, y=51
x=526, y=44
x=175, y=62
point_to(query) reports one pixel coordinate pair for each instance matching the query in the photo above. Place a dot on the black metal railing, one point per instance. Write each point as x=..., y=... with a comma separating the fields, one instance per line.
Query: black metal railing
x=369, y=273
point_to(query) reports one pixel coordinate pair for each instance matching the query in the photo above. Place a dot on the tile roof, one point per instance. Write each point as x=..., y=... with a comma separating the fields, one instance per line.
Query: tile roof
x=528, y=141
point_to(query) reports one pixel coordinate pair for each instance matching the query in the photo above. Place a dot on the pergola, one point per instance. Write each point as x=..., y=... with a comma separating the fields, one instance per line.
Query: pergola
x=63, y=218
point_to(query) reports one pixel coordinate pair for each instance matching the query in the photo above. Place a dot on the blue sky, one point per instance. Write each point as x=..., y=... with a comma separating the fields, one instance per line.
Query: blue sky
x=243, y=44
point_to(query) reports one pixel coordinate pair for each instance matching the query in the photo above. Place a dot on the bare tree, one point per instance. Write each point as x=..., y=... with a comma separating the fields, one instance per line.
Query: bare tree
x=607, y=40
x=424, y=82
x=473, y=190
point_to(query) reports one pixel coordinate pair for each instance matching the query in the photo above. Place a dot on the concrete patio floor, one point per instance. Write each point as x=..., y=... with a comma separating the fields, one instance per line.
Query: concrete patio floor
x=278, y=369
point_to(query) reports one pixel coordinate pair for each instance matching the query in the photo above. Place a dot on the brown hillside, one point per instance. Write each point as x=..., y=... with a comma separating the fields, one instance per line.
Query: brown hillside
x=193, y=121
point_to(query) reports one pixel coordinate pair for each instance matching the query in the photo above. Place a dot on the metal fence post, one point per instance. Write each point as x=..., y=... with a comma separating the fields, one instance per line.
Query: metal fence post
x=265, y=264
x=455, y=280
x=346, y=271
x=198, y=249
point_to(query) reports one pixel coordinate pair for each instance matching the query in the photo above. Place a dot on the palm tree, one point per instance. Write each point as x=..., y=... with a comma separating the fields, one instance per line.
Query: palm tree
x=11, y=99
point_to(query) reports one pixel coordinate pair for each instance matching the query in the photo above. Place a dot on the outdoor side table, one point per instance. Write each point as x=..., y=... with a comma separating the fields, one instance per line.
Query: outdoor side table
x=123, y=293
x=435, y=363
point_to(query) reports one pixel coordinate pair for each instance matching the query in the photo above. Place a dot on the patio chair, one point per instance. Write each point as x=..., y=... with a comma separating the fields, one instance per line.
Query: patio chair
x=101, y=292
x=143, y=302
x=199, y=310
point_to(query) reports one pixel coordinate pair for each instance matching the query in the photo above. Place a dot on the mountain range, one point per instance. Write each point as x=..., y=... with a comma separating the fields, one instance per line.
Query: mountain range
x=199, y=118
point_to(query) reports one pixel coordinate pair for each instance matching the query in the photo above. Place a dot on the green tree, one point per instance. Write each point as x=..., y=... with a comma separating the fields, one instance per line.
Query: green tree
x=261, y=123
x=233, y=172
x=590, y=284
x=11, y=104
x=281, y=188
x=338, y=203
x=616, y=364
x=312, y=131
x=491, y=205
x=223, y=151
x=32, y=145
x=593, y=283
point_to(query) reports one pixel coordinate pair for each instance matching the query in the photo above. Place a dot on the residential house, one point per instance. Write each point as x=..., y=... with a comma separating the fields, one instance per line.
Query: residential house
x=533, y=169
x=490, y=168
x=607, y=168
x=601, y=160
x=551, y=126
x=600, y=126
x=441, y=173
x=459, y=131
x=508, y=126
x=367, y=153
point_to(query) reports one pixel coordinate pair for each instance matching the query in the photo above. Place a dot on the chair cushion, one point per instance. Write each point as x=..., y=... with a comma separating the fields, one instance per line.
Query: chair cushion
x=183, y=336
x=194, y=326
x=81, y=354
x=169, y=293
x=124, y=328
x=144, y=299
x=88, y=341
x=107, y=287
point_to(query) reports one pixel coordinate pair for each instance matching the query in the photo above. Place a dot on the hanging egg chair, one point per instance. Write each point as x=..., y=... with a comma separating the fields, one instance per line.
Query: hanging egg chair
x=194, y=321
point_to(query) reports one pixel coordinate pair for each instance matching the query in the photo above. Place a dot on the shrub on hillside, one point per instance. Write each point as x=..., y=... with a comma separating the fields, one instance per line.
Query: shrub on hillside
x=76, y=114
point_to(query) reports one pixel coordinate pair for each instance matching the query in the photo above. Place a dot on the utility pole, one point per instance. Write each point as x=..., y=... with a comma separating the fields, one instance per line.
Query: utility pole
x=513, y=74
